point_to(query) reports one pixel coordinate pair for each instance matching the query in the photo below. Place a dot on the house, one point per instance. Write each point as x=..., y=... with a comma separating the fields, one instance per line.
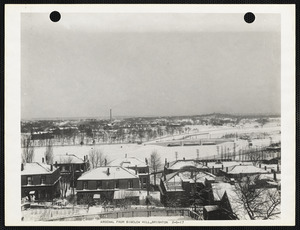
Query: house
x=239, y=171
x=141, y=168
x=181, y=164
x=180, y=188
x=39, y=182
x=70, y=166
x=225, y=203
x=110, y=184
x=215, y=166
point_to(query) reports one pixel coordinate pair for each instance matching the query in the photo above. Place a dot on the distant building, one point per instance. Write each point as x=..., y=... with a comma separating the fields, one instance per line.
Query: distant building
x=39, y=181
x=109, y=184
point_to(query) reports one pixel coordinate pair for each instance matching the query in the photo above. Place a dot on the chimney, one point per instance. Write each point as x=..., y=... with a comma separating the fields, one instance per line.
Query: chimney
x=222, y=166
x=22, y=167
x=84, y=158
x=265, y=167
x=107, y=172
x=51, y=167
x=166, y=161
x=165, y=178
x=259, y=165
x=274, y=175
x=278, y=168
x=213, y=170
x=135, y=169
x=192, y=174
x=125, y=155
x=226, y=169
x=184, y=158
x=43, y=160
x=168, y=165
x=55, y=164
x=146, y=161
x=105, y=162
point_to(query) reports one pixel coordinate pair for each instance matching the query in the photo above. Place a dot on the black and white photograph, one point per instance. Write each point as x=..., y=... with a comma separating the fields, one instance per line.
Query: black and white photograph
x=153, y=117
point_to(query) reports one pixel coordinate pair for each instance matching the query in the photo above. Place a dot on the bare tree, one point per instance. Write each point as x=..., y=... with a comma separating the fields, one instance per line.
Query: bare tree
x=49, y=152
x=96, y=158
x=64, y=184
x=155, y=163
x=28, y=150
x=260, y=203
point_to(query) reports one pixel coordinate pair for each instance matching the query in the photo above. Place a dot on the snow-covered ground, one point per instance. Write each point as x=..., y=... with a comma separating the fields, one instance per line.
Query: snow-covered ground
x=143, y=151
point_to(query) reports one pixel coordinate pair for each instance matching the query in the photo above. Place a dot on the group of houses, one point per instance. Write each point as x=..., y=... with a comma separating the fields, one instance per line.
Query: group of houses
x=183, y=183
x=122, y=179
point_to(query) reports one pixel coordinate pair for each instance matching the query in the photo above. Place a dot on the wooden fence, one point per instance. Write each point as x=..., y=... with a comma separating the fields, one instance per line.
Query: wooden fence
x=131, y=214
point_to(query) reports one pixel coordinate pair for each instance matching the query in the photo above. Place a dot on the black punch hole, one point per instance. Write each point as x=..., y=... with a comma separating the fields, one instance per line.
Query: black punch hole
x=55, y=16
x=249, y=17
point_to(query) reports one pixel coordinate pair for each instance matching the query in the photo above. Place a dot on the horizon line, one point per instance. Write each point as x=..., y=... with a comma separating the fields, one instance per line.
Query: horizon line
x=144, y=116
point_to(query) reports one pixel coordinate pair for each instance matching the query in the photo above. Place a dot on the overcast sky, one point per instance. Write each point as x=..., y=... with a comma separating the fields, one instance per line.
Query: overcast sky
x=149, y=64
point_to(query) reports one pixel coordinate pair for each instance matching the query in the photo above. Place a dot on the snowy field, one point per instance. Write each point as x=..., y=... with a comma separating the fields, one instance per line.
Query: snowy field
x=143, y=151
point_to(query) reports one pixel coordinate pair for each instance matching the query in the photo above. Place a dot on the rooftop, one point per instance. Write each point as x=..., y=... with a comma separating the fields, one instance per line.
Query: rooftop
x=101, y=173
x=128, y=162
x=37, y=169
x=246, y=169
x=68, y=159
x=179, y=164
x=219, y=190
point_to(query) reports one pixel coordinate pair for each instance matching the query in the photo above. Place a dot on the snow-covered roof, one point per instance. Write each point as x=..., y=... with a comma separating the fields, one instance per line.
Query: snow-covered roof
x=128, y=162
x=174, y=180
x=198, y=177
x=226, y=164
x=68, y=159
x=211, y=208
x=219, y=190
x=185, y=163
x=115, y=172
x=246, y=169
x=36, y=168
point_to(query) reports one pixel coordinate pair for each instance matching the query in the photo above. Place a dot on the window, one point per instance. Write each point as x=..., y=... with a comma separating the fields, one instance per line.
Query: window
x=130, y=183
x=99, y=184
x=85, y=185
x=106, y=185
x=144, y=182
x=29, y=180
x=43, y=179
x=117, y=184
